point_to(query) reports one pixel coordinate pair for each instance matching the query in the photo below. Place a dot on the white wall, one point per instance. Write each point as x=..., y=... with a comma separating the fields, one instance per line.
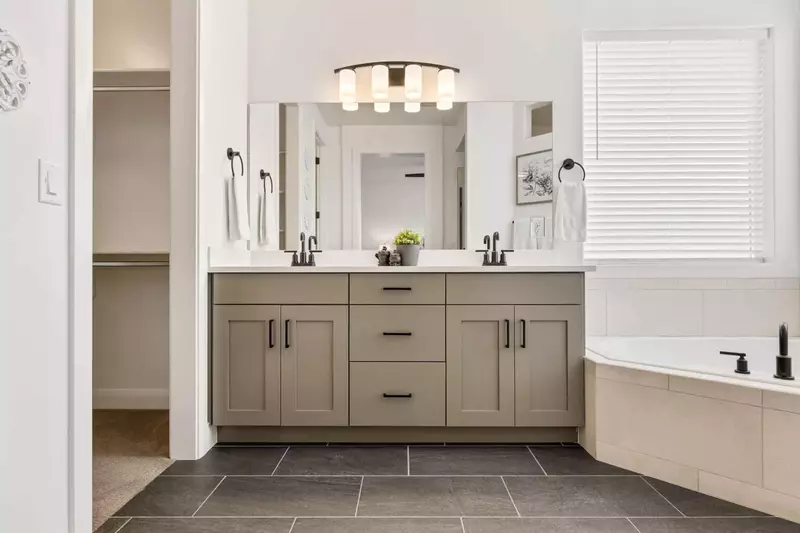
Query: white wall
x=263, y=149
x=34, y=295
x=522, y=51
x=208, y=115
x=132, y=34
x=390, y=201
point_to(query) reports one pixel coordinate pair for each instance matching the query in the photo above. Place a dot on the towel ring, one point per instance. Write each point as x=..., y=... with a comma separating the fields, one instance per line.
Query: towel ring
x=264, y=176
x=231, y=155
x=569, y=164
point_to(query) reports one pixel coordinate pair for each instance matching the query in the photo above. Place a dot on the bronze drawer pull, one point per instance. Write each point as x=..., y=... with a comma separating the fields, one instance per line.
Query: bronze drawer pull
x=387, y=395
x=397, y=333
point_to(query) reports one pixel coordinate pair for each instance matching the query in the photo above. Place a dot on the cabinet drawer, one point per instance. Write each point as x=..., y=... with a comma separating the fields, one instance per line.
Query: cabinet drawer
x=397, y=394
x=280, y=288
x=396, y=333
x=507, y=289
x=391, y=289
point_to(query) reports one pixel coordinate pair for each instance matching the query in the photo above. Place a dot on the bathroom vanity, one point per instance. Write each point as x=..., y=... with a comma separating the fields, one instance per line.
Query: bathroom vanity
x=397, y=353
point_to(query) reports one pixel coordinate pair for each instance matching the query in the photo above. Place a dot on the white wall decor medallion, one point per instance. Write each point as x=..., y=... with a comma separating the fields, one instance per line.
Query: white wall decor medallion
x=13, y=73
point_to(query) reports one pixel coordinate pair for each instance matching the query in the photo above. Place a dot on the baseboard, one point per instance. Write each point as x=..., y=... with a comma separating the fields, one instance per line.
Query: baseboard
x=131, y=399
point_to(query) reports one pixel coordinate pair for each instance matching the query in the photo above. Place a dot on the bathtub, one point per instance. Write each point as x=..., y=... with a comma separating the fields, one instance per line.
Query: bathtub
x=674, y=409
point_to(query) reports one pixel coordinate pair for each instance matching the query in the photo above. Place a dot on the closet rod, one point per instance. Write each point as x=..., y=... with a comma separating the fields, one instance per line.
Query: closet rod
x=131, y=263
x=120, y=89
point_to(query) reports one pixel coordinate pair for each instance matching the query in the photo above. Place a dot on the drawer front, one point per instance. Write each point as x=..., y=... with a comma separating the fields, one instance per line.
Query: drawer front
x=397, y=394
x=280, y=289
x=392, y=289
x=521, y=289
x=397, y=333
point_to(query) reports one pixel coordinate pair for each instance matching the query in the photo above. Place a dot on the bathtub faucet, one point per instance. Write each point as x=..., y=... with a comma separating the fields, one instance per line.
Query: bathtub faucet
x=783, y=362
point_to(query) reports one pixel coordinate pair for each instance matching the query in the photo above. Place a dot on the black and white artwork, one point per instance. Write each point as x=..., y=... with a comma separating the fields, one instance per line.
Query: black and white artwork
x=13, y=73
x=535, y=177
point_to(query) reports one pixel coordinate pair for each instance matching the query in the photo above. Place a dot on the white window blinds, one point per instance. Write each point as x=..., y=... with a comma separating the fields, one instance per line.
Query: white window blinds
x=674, y=145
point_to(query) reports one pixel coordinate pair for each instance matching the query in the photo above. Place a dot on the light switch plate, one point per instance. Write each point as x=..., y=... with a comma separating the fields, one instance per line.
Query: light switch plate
x=51, y=183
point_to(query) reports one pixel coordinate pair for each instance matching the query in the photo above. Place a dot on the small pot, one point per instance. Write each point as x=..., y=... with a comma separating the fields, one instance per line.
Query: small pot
x=409, y=253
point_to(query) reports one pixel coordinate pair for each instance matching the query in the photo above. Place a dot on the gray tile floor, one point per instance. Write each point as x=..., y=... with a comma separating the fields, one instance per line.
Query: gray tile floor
x=429, y=489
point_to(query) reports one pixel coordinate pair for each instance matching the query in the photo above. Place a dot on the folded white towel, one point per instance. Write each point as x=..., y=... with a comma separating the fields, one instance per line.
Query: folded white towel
x=523, y=234
x=570, y=216
x=238, y=225
x=267, y=223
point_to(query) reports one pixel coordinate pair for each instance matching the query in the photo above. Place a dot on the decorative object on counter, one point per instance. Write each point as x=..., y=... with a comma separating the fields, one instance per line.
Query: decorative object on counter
x=383, y=256
x=13, y=73
x=783, y=362
x=570, y=210
x=398, y=81
x=395, y=259
x=408, y=244
x=535, y=177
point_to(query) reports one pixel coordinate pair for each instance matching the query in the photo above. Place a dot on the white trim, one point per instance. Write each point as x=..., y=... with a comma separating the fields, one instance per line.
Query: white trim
x=79, y=305
x=131, y=399
x=670, y=35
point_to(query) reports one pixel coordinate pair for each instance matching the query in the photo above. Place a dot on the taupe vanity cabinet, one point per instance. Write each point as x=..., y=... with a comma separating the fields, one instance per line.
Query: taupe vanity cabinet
x=398, y=349
x=280, y=364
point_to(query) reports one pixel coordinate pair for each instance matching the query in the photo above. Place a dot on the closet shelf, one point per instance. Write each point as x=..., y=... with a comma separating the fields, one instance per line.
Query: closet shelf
x=130, y=260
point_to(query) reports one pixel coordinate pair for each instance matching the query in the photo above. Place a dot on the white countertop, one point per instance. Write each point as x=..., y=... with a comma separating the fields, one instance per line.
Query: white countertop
x=244, y=269
x=363, y=261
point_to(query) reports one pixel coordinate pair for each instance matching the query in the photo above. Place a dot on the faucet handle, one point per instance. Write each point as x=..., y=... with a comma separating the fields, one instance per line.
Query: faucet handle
x=295, y=260
x=503, y=256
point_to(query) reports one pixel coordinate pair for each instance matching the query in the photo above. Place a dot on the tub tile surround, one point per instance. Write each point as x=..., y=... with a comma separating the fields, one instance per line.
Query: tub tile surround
x=734, y=442
x=712, y=307
x=445, y=489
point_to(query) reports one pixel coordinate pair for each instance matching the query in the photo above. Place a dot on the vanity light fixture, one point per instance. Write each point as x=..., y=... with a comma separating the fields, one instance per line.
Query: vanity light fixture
x=397, y=81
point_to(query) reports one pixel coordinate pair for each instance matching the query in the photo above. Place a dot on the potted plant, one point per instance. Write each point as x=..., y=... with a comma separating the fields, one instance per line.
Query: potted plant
x=408, y=243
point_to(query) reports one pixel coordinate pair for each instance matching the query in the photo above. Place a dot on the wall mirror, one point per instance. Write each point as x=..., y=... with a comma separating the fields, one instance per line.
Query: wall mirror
x=356, y=178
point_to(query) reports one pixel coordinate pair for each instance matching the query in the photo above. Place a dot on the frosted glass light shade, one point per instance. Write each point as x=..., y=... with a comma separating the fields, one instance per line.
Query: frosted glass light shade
x=413, y=82
x=444, y=104
x=382, y=107
x=347, y=85
x=446, y=88
x=380, y=82
x=350, y=106
x=412, y=107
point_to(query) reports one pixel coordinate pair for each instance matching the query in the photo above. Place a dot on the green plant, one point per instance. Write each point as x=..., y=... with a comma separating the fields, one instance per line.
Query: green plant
x=406, y=237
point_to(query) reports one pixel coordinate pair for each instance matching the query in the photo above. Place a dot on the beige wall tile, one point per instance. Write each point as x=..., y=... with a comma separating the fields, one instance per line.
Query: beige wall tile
x=751, y=496
x=782, y=401
x=656, y=312
x=702, y=283
x=782, y=452
x=629, y=375
x=603, y=284
x=713, y=435
x=750, y=283
x=787, y=283
x=674, y=473
x=712, y=389
x=595, y=312
x=738, y=313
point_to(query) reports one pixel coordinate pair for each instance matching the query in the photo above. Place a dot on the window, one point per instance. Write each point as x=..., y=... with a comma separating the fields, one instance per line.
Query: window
x=675, y=145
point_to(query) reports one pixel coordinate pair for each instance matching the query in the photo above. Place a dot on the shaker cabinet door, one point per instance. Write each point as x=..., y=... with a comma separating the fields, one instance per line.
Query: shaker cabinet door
x=549, y=365
x=480, y=365
x=314, y=365
x=247, y=365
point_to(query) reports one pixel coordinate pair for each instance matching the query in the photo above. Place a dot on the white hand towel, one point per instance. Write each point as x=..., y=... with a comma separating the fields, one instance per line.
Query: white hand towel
x=267, y=224
x=238, y=225
x=570, y=217
x=523, y=234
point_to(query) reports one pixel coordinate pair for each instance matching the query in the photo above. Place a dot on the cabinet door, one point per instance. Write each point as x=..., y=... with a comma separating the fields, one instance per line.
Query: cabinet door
x=247, y=365
x=314, y=365
x=549, y=365
x=480, y=365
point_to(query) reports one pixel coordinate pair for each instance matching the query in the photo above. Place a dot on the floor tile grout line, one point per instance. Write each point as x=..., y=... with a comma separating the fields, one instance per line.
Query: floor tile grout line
x=463, y=529
x=123, y=525
x=209, y=496
x=537, y=460
x=628, y=519
x=360, y=488
x=665, y=498
x=510, y=497
x=280, y=460
x=293, y=523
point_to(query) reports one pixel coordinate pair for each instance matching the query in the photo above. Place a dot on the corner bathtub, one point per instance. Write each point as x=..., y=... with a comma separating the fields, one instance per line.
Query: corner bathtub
x=674, y=409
